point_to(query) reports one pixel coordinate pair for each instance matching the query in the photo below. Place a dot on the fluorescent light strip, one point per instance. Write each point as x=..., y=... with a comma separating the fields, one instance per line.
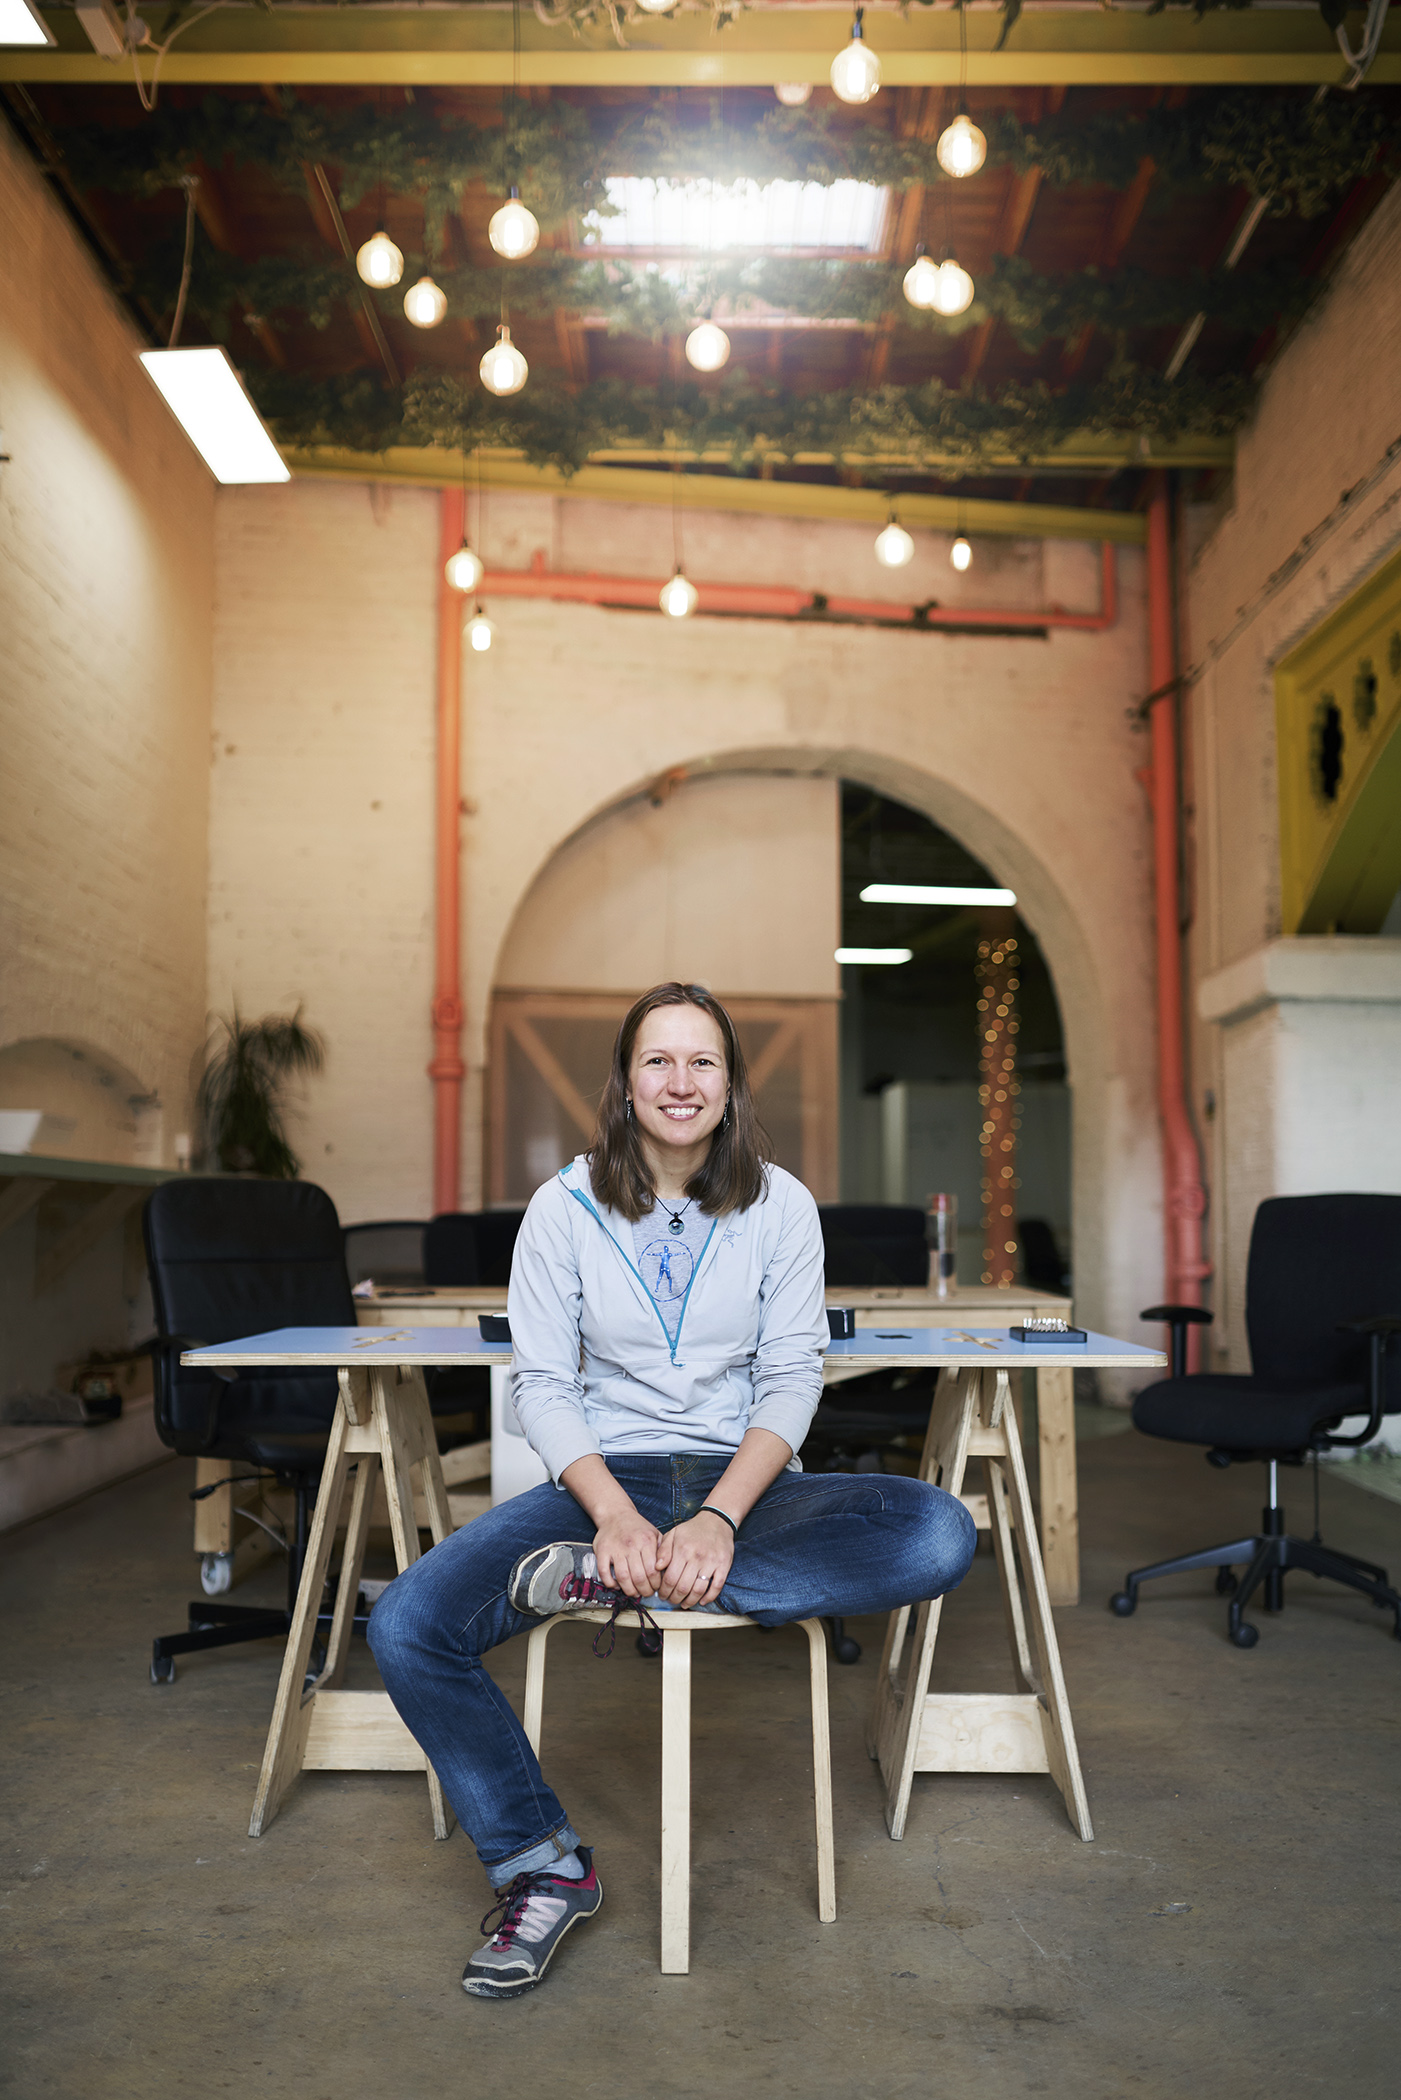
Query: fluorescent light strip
x=874, y=955
x=21, y=24
x=206, y=396
x=931, y=893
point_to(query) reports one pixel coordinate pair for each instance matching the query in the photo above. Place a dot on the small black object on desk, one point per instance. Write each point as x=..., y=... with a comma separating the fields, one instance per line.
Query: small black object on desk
x=841, y=1323
x=1048, y=1335
x=494, y=1327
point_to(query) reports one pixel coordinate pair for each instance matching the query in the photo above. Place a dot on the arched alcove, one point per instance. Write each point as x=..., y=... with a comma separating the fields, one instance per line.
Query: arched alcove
x=1114, y=1145
x=69, y=1100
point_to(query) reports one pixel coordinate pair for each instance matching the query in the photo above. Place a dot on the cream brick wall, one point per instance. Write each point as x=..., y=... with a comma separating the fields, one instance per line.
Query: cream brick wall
x=1315, y=510
x=106, y=578
x=325, y=692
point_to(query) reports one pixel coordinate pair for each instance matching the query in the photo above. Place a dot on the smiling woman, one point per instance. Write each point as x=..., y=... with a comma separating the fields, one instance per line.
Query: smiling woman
x=674, y=1478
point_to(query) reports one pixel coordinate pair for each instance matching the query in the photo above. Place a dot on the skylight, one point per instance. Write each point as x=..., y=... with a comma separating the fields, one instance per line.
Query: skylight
x=777, y=218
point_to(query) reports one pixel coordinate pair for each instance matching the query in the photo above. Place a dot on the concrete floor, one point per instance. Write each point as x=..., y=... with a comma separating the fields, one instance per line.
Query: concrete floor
x=1231, y=1929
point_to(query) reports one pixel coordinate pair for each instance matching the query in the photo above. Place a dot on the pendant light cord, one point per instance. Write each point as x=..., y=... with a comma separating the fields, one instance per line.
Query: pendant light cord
x=189, y=184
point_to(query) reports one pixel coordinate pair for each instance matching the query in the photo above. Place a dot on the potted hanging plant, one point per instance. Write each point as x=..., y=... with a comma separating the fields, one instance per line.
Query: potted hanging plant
x=240, y=1099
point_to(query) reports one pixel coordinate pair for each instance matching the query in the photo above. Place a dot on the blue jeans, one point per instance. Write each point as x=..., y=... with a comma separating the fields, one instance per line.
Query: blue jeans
x=814, y=1544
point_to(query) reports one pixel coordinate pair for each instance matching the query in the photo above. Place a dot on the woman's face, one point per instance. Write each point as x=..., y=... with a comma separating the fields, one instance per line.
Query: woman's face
x=678, y=1081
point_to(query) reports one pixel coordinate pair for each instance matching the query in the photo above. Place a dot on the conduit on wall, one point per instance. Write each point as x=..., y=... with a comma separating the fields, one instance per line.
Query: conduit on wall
x=447, y=1070
x=780, y=602
x=1184, y=1198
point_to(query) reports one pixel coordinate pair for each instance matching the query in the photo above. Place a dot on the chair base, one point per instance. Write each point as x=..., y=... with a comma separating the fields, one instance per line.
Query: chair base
x=1266, y=1558
x=227, y=1626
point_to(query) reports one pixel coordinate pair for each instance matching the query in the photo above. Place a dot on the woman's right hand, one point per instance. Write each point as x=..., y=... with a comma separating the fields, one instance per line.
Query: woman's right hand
x=625, y=1546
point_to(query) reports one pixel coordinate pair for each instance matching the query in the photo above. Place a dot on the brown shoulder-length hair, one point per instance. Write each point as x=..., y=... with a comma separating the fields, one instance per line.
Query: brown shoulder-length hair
x=733, y=1174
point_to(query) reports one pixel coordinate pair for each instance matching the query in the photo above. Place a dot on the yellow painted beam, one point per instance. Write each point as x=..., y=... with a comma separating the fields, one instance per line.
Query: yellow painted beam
x=471, y=47
x=429, y=468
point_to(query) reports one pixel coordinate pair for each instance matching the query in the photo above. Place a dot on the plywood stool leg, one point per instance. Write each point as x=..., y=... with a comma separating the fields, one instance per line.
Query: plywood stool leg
x=822, y=1771
x=535, y=1681
x=676, y=1803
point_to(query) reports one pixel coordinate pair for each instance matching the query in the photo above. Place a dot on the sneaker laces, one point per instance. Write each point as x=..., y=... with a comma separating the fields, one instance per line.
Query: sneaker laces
x=511, y=1906
x=651, y=1630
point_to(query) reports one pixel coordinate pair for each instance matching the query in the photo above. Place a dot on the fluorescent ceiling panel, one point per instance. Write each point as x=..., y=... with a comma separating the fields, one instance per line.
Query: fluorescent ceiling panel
x=206, y=396
x=778, y=218
x=874, y=955
x=22, y=24
x=931, y=893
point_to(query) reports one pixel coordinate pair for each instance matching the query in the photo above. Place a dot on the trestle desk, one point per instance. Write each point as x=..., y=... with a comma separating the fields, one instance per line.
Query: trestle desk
x=382, y=1425
x=976, y=1306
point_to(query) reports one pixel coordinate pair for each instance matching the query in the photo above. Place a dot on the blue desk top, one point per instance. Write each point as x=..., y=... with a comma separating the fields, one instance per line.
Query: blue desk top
x=870, y=1348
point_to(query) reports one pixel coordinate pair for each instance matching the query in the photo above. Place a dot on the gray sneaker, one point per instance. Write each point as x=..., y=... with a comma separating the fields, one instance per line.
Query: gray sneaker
x=562, y=1577
x=535, y=1912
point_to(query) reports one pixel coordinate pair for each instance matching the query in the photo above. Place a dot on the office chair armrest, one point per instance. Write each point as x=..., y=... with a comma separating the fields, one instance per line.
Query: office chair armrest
x=1177, y=1319
x=1379, y=1331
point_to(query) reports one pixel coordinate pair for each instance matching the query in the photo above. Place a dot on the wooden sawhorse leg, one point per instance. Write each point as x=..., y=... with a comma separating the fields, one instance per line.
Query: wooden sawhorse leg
x=1030, y=1730
x=382, y=1421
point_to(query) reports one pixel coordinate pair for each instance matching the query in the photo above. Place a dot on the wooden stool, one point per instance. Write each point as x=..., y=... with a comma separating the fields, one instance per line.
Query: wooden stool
x=676, y=1628
x=916, y=1730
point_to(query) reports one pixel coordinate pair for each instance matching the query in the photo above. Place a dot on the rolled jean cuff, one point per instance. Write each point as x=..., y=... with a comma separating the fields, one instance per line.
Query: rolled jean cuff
x=535, y=1858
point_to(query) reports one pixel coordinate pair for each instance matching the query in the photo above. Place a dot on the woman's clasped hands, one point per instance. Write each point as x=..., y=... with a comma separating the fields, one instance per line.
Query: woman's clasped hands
x=686, y=1566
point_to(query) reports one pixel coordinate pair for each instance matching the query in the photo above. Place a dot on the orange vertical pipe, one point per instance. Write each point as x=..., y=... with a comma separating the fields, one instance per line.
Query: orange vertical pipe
x=447, y=1070
x=1184, y=1198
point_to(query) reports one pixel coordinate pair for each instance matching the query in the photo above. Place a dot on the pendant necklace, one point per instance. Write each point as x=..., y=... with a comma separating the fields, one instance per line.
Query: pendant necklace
x=677, y=1216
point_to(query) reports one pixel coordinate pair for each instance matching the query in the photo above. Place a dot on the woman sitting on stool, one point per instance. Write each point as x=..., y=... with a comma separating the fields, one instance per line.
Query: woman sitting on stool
x=668, y=1323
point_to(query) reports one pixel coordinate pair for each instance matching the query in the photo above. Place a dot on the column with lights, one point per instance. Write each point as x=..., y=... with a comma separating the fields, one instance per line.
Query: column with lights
x=997, y=1046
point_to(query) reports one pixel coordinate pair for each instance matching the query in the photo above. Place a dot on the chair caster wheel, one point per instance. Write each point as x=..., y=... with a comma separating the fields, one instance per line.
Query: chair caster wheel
x=1244, y=1635
x=216, y=1574
x=1123, y=1604
x=1226, y=1584
x=846, y=1650
x=163, y=1669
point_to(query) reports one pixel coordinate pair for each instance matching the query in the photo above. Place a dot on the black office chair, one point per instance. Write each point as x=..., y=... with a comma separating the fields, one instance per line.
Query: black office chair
x=1322, y=1303
x=229, y=1258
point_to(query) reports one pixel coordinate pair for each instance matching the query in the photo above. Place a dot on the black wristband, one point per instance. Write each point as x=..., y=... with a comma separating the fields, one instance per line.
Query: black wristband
x=719, y=1513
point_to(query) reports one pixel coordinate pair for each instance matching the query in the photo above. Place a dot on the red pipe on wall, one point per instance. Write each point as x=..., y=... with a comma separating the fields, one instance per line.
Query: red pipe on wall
x=1184, y=1198
x=447, y=1070
x=763, y=601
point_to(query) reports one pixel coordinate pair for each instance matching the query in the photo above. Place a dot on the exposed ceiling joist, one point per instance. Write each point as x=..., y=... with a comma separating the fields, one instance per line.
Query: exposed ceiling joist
x=429, y=468
x=471, y=47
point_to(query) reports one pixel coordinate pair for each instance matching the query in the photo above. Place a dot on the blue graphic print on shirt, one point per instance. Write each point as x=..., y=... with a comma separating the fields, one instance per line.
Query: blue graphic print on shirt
x=667, y=1261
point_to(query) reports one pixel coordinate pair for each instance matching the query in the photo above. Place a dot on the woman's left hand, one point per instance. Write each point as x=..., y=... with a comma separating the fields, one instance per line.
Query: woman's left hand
x=693, y=1561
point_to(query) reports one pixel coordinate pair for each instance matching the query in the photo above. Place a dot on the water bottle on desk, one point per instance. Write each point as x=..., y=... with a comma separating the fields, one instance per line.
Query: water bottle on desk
x=942, y=1235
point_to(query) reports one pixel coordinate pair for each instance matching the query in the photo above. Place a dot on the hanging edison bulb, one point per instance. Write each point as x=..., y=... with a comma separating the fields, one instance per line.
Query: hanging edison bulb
x=894, y=547
x=514, y=230
x=480, y=631
x=464, y=570
x=942, y=287
x=379, y=262
x=793, y=93
x=855, y=73
x=657, y=7
x=425, y=303
x=707, y=347
x=962, y=148
x=961, y=553
x=679, y=598
x=503, y=369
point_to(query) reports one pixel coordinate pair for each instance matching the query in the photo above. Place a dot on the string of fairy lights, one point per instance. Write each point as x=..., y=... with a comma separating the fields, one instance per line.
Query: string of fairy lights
x=996, y=974
x=941, y=286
